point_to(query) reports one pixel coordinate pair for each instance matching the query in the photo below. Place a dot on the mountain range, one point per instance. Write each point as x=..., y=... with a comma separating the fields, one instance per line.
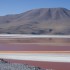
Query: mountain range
x=48, y=21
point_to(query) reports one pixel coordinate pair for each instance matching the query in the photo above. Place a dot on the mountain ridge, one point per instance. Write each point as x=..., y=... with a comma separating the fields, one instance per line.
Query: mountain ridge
x=54, y=21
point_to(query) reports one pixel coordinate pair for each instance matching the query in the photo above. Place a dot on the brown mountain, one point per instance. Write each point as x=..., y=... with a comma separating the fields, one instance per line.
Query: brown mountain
x=54, y=21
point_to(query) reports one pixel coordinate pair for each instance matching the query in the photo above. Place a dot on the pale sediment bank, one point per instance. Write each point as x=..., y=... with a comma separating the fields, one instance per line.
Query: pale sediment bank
x=51, y=57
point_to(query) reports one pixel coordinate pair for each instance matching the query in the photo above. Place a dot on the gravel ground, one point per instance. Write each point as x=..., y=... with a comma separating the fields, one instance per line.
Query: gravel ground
x=4, y=65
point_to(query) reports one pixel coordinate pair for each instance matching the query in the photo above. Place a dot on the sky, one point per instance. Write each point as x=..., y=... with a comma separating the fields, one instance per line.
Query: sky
x=20, y=6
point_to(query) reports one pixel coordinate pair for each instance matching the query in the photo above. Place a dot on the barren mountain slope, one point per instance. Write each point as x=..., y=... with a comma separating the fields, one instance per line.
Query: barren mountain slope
x=37, y=21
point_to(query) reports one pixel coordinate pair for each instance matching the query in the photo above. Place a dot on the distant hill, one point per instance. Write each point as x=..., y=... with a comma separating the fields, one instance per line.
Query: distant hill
x=49, y=21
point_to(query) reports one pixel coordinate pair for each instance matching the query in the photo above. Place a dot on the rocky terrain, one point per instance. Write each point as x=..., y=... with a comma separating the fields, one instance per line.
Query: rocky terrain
x=53, y=21
x=4, y=65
